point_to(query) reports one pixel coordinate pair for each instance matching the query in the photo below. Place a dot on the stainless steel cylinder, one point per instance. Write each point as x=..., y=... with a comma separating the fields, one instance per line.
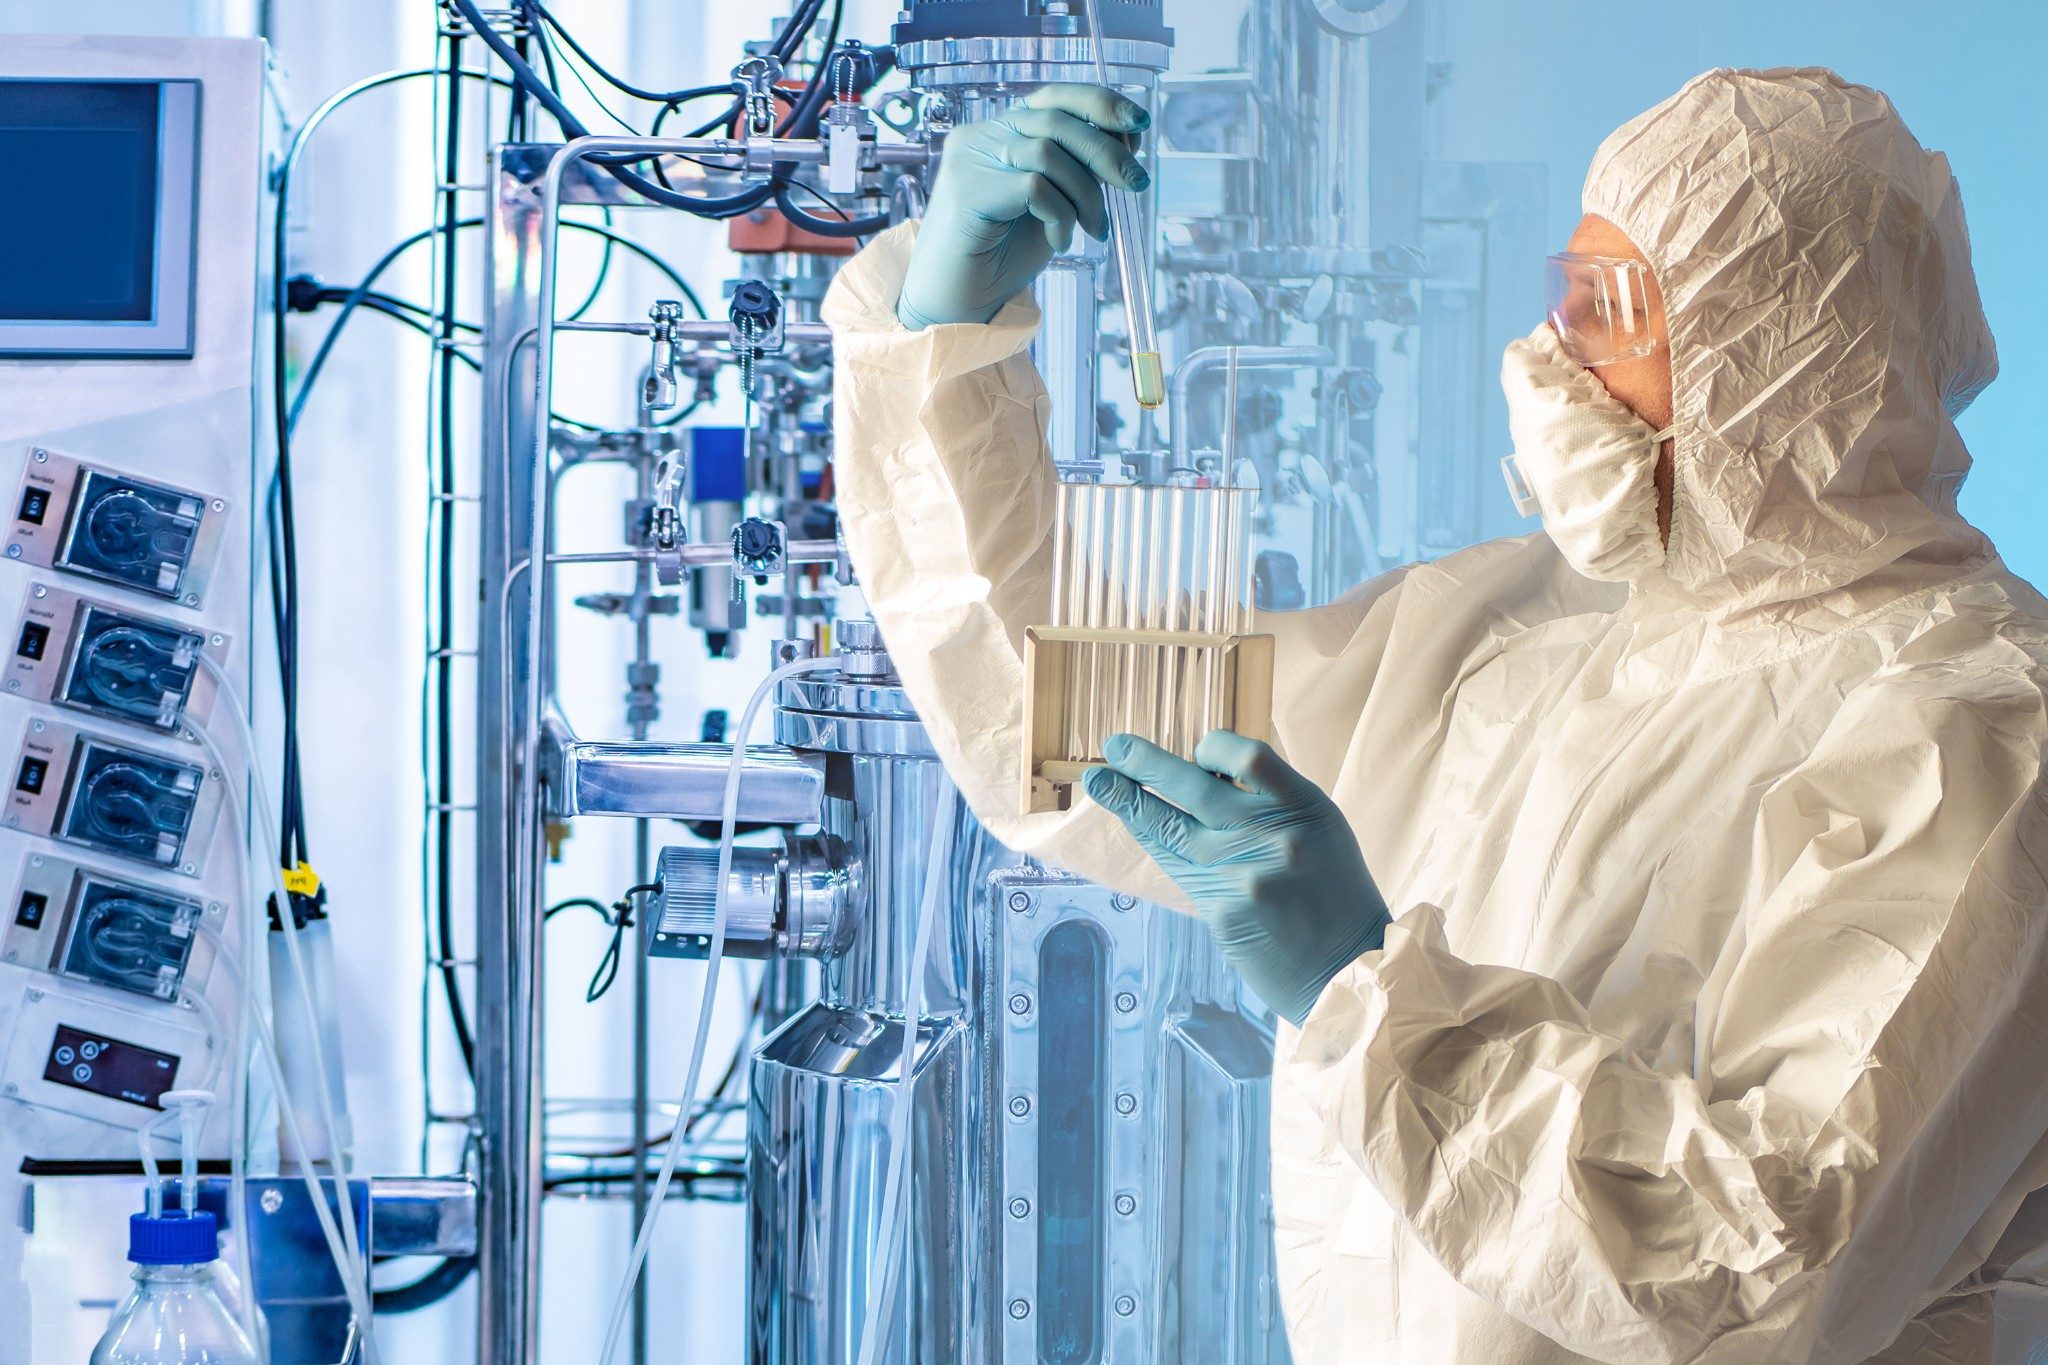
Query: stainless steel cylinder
x=825, y=1245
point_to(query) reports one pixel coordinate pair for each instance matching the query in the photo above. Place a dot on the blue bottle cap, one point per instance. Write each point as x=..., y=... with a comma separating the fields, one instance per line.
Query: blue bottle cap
x=718, y=464
x=174, y=1239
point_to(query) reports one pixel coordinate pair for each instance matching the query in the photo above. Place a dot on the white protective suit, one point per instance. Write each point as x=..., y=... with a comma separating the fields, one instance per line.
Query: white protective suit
x=1713, y=1022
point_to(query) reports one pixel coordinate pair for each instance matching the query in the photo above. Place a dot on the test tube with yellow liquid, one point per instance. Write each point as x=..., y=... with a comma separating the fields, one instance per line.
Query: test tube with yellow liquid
x=1127, y=243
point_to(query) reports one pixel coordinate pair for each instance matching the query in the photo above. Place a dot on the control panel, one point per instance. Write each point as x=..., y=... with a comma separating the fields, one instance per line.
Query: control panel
x=100, y=1059
x=107, y=1066
x=135, y=628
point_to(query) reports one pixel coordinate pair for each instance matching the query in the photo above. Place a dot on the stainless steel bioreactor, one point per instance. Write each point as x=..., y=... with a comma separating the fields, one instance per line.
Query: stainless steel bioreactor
x=1080, y=1173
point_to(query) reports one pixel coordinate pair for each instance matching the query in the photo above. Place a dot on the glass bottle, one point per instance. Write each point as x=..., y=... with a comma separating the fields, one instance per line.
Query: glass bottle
x=175, y=1315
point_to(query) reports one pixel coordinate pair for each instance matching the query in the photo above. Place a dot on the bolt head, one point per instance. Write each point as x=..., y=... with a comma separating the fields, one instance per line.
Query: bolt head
x=271, y=1201
x=9, y=1089
x=42, y=456
x=1020, y=1003
x=34, y=995
x=1020, y=1106
x=14, y=685
x=42, y=591
x=1020, y=1208
x=1125, y=1305
x=1123, y=902
x=14, y=552
x=1126, y=1104
x=1125, y=1002
x=1019, y=901
x=1019, y=1309
x=1126, y=1205
x=219, y=505
x=218, y=639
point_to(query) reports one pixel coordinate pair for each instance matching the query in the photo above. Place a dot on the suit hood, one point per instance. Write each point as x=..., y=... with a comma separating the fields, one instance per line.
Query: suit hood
x=1825, y=330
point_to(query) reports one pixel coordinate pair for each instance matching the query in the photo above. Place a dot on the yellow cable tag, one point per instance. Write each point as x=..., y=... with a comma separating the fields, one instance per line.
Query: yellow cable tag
x=302, y=880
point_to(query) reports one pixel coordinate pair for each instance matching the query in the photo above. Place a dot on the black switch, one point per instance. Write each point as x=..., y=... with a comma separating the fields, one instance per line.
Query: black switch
x=35, y=505
x=33, y=771
x=29, y=914
x=34, y=637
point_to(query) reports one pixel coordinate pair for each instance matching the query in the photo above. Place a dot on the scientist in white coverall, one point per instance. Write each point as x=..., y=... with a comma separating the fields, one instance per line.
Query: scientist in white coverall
x=1662, y=974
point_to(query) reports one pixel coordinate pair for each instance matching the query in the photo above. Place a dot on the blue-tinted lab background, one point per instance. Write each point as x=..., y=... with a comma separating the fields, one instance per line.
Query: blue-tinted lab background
x=1522, y=81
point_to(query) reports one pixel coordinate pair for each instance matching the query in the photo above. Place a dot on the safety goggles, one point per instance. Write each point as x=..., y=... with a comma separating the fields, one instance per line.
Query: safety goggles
x=1599, y=306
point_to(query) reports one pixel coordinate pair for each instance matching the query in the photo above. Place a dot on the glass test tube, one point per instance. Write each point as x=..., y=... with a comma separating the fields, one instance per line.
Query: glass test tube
x=1148, y=558
x=1127, y=243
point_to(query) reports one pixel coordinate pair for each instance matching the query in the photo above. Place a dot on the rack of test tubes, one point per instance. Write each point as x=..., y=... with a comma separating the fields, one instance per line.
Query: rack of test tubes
x=1151, y=629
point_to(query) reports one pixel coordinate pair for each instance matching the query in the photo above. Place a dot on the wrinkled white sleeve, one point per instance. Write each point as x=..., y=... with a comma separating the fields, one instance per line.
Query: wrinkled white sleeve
x=1870, y=1073
x=945, y=494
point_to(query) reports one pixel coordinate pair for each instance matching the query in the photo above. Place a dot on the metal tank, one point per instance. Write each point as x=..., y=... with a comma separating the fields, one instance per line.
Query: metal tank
x=1087, y=1176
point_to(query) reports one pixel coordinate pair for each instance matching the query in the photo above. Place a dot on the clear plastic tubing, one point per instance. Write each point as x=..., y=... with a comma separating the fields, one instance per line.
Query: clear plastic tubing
x=1127, y=244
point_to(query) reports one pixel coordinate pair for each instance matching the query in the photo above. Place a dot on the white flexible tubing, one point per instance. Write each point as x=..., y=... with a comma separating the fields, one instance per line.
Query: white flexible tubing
x=323, y=1030
x=895, y=1204
x=357, y=1284
x=345, y=1264
x=240, y=1153
x=728, y=818
x=302, y=1062
x=152, y=1174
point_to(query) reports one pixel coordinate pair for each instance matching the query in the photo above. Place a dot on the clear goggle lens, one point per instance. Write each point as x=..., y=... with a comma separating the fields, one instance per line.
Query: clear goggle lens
x=1600, y=307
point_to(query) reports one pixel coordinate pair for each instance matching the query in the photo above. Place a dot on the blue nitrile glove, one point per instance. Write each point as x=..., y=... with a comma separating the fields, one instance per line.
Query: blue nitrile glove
x=1009, y=193
x=1268, y=860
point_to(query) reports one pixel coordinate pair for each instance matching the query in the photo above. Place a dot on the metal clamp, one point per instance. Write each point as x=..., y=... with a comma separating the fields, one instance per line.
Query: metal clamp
x=754, y=81
x=848, y=124
x=658, y=390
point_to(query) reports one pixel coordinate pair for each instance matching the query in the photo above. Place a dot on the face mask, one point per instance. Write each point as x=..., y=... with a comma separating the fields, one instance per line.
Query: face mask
x=1582, y=459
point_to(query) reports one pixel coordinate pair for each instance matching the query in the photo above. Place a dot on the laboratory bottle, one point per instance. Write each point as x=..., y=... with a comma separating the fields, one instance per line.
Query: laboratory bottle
x=175, y=1315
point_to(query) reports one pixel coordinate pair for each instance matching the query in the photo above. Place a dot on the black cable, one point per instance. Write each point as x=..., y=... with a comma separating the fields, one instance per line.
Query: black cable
x=377, y=304
x=652, y=96
x=285, y=568
x=604, y=911
x=417, y=313
x=450, y=227
x=704, y=207
x=428, y=1290
x=284, y=562
x=644, y=254
x=349, y=305
x=619, y=916
x=604, y=270
x=826, y=227
x=354, y=298
x=547, y=53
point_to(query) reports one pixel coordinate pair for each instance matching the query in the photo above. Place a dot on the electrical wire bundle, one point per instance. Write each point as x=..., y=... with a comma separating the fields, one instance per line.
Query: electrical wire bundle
x=801, y=121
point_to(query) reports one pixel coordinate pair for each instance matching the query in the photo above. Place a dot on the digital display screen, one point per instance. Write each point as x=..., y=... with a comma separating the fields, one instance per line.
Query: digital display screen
x=80, y=240
x=110, y=1067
